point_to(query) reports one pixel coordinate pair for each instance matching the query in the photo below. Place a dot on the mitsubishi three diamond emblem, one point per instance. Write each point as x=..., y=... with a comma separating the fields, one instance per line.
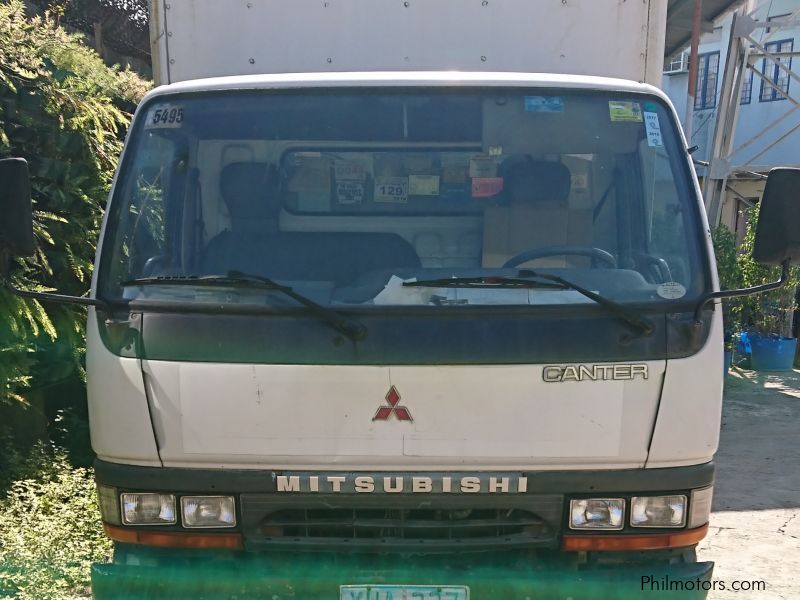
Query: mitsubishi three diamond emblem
x=385, y=412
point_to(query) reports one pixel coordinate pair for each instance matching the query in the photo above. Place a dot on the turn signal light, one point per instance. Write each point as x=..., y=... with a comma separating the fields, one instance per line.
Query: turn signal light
x=174, y=539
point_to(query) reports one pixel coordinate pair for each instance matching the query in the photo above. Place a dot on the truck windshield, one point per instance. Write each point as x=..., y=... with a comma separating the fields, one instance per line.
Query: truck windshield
x=347, y=197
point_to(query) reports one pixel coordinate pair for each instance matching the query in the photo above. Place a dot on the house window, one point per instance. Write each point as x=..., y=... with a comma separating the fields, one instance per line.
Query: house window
x=774, y=18
x=747, y=88
x=778, y=76
x=707, y=71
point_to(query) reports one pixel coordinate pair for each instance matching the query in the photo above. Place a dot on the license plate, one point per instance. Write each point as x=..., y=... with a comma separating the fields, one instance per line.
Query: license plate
x=403, y=592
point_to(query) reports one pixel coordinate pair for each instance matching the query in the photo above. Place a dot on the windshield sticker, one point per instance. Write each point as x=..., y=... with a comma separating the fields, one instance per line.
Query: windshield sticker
x=391, y=190
x=423, y=185
x=544, y=104
x=312, y=174
x=164, y=116
x=455, y=168
x=486, y=187
x=349, y=170
x=625, y=112
x=579, y=182
x=483, y=166
x=349, y=192
x=417, y=163
x=671, y=291
x=653, y=129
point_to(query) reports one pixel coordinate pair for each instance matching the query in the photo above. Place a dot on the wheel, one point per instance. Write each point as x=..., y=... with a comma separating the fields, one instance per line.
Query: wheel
x=596, y=254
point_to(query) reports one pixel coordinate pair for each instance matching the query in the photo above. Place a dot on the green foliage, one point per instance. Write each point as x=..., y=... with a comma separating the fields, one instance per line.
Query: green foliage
x=730, y=277
x=770, y=313
x=50, y=530
x=64, y=111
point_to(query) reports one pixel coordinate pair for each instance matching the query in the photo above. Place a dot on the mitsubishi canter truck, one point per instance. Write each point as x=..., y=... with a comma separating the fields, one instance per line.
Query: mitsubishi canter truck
x=404, y=300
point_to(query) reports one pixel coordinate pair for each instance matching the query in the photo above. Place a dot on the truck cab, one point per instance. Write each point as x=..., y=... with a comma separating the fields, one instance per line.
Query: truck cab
x=406, y=313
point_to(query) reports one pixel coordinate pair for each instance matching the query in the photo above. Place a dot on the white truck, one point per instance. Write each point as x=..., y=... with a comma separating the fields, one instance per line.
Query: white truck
x=407, y=300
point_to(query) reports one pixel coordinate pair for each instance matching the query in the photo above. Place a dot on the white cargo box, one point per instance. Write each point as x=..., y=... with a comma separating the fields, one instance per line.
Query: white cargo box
x=195, y=39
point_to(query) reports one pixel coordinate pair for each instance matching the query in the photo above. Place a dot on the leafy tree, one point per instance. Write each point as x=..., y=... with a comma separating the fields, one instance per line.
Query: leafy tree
x=121, y=25
x=730, y=278
x=64, y=111
x=770, y=313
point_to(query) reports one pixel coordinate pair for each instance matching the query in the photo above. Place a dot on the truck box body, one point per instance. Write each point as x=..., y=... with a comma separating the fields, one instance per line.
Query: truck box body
x=196, y=39
x=407, y=278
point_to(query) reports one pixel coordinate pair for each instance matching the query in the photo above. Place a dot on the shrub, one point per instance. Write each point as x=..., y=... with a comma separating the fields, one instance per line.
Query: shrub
x=50, y=530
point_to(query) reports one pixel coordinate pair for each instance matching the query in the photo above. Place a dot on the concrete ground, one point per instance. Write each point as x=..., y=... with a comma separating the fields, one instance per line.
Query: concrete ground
x=755, y=522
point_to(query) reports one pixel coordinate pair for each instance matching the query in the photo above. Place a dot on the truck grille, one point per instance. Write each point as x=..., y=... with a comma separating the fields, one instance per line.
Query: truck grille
x=398, y=529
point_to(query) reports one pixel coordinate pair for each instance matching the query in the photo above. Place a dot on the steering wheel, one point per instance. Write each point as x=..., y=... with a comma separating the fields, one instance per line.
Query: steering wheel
x=596, y=254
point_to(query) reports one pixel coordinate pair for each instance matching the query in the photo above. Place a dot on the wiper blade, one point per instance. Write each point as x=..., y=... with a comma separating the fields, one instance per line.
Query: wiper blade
x=618, y=310
x=352, y=329
x=499, y=282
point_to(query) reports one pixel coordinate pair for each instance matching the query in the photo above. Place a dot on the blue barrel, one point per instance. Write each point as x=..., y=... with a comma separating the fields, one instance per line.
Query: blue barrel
x=772, y=353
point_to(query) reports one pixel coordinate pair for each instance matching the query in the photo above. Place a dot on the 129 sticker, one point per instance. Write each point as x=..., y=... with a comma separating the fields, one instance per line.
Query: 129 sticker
x=392, y=190
x=165, y=115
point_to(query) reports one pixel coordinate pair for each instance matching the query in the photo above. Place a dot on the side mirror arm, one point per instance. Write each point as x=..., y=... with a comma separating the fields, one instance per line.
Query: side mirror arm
x=697, y=325
x=48, y=297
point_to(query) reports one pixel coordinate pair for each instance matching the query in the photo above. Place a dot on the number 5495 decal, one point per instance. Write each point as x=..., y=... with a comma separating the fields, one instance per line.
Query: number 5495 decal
x=164, y=116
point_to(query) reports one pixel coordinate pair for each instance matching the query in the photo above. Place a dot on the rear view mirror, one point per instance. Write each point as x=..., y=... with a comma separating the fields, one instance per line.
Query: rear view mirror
x=778, y=230
x=16, y=214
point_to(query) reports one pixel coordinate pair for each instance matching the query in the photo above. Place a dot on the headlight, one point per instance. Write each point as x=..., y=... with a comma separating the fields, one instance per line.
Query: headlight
x=148, y=509
x=208, y=511
x=658, y=511
x=597, y=513
x=700, y=508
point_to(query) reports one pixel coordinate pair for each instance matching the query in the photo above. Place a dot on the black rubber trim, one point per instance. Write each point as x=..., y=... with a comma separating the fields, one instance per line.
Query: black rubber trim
x=180, y=480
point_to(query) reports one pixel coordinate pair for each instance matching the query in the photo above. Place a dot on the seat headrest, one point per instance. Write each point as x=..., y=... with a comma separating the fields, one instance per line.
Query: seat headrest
x=247, y=190
x=539, y=181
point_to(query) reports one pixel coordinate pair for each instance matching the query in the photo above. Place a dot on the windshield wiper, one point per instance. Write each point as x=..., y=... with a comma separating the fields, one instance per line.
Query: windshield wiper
x=618, y=310
x=352, y=329
x=524, y=281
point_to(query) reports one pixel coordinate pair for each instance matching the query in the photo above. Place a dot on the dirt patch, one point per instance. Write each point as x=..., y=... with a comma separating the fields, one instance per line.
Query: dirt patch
x=755, y=524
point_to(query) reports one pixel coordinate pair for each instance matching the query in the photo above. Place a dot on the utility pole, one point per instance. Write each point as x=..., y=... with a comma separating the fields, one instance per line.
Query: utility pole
x=697, y=21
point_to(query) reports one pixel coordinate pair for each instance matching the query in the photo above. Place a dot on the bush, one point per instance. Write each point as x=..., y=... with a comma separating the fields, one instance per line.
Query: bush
x=50, y=530
x=65, y=112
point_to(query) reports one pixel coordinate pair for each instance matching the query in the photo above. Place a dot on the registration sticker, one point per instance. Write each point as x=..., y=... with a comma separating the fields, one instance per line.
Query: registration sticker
x=423, y=185
x=653, y=130
x=625, y=112
x=349, y=192
x=391, y=190
x=164, y=116
x=544, y=104
x=403, y=592
x=486, y=187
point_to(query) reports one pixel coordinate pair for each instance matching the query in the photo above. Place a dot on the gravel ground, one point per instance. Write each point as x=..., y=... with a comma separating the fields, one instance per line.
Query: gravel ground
x=755, y=523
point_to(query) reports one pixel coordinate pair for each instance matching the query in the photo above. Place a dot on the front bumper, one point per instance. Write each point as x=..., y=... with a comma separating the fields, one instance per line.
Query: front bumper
x=312, y=577
x=279, y=511
x=302, y=565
